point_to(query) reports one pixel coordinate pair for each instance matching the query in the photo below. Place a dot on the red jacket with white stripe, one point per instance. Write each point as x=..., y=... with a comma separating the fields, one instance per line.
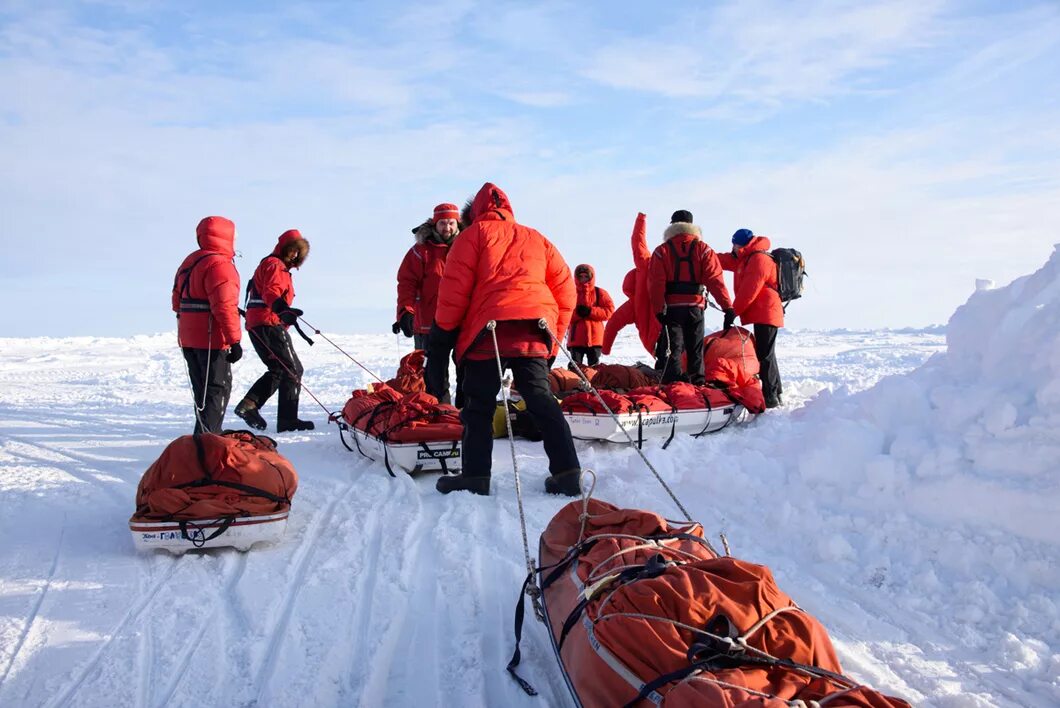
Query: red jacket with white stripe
x=206, y=289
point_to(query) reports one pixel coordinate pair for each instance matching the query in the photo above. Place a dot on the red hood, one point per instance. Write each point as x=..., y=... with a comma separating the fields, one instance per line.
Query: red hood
x=217, y=234
x=491, y=202
x=289, y=236
x=629, y=283
x=592, y=275
x=758, y=243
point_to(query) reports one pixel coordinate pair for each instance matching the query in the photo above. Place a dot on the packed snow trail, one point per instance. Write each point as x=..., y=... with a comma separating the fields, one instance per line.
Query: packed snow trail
x=384, y=592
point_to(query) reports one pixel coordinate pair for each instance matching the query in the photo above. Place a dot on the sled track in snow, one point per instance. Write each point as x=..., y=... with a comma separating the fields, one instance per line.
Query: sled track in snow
x=294, y=586
x=134, y=612
x=179, y=673
x=32, y=618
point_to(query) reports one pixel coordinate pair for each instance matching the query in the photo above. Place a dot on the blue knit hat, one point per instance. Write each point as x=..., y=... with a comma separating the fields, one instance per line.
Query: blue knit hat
x=742, y=237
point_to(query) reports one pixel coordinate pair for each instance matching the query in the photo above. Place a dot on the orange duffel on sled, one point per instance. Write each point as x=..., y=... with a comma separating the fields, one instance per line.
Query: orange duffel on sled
x=409, y=376
x=413, y=432
x=210, y=490
x=642, y=611
x=622, y=378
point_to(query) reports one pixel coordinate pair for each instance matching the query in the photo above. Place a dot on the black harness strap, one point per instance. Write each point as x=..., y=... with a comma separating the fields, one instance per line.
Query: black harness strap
x=188, y=303
x=679, y=285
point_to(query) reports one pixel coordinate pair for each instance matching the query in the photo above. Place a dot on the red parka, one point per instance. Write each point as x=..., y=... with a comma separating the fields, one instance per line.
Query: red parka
x=272, y=280
x=637, y=309
x=589, y=331
x=418, y=279
x=755, y=283
x=206, y=289
x=683, y=238
x=500, y=270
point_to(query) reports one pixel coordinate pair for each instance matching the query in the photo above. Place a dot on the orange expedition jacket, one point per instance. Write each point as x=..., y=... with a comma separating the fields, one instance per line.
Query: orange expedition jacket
x=680, y=265
x=272, y=280
x=418, y=278
x=206, y=289
x=500, y=270
x=755, y=283
x=589, y=331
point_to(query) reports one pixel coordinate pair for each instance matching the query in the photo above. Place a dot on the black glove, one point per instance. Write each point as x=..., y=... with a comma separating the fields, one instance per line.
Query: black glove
x=405, y=324
x=290, y=315
x=730, y=317
x=661, y=316
x=441, y=340
x=583, y=310
x=235, y=353
x=396, y=327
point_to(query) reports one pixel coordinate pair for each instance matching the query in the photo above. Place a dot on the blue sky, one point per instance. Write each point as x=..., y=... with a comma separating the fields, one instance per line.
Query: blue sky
x=905, y=147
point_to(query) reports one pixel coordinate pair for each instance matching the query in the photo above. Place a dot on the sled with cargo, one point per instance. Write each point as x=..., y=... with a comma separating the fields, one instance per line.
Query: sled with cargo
x=410, y=432
x=642, y=611
x=229, y=490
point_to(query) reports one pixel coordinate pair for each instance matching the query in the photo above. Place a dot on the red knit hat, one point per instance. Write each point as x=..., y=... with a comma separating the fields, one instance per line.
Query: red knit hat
x=445, y=211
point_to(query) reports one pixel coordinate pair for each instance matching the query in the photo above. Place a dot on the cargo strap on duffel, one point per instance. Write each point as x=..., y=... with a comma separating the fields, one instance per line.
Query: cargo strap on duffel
x=720, y=647
x=208, y=481
x=557, y=571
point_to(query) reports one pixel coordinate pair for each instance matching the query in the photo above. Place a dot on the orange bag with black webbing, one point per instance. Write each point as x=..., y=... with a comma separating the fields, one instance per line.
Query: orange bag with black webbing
x=209, y=476
x=643, y=611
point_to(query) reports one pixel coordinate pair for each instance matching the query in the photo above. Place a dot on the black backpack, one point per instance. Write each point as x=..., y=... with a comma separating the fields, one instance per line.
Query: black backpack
x=791, y=270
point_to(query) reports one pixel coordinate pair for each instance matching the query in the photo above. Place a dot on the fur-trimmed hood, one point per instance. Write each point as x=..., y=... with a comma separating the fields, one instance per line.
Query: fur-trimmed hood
x=680, y=228
x=292, y=238
x=423, y=233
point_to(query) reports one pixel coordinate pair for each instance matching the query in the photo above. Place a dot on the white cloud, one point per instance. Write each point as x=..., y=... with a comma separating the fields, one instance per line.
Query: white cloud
x=766, y=52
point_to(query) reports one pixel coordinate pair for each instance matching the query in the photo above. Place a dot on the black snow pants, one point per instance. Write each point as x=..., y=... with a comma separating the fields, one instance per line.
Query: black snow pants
x=580, y=354
x=274, y=347
x=211, y=383
x=482, y=384
x=436, y=374
x=768, y=371
x=683, y=331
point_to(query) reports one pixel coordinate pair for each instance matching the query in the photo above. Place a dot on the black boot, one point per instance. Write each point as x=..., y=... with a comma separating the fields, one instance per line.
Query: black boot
x=567, y=483
x=285, y=426
x=248, y=411
x=459, y=482
x=774, y=401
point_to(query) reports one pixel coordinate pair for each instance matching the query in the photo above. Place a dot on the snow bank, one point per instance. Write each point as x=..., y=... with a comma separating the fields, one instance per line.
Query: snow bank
x=933, y=494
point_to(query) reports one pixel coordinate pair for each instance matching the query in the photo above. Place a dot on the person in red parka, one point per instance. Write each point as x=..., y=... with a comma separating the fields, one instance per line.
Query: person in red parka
x=757, y=303
x=680, y=268
x=206, y=299
x=269, y=313
x=585, y=338
x=501, y=271
x=421, y=272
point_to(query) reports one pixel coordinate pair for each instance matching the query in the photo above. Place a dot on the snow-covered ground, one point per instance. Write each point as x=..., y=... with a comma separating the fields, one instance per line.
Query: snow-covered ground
x=915, y=515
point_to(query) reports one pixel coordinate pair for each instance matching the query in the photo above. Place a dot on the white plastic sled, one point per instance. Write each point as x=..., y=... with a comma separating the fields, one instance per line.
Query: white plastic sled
x=413, y=457
x=662, y=424
x=239, y=532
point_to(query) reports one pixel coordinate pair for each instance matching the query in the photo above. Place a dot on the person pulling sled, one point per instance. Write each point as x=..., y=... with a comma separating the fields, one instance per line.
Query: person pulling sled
x=206, y=300
x=502, y=272
x=269, y=315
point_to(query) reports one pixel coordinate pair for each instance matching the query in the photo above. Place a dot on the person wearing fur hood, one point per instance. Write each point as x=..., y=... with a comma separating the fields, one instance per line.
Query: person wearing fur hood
x=270, y=294
x=421, y=272
x=681, y=268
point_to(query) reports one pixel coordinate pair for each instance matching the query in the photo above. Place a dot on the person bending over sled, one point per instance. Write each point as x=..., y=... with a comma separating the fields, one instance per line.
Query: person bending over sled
x=501, y=271
x=585, y=338
x=680, y=268
x=269, y=314
x=206, y=300
x=757, y=303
